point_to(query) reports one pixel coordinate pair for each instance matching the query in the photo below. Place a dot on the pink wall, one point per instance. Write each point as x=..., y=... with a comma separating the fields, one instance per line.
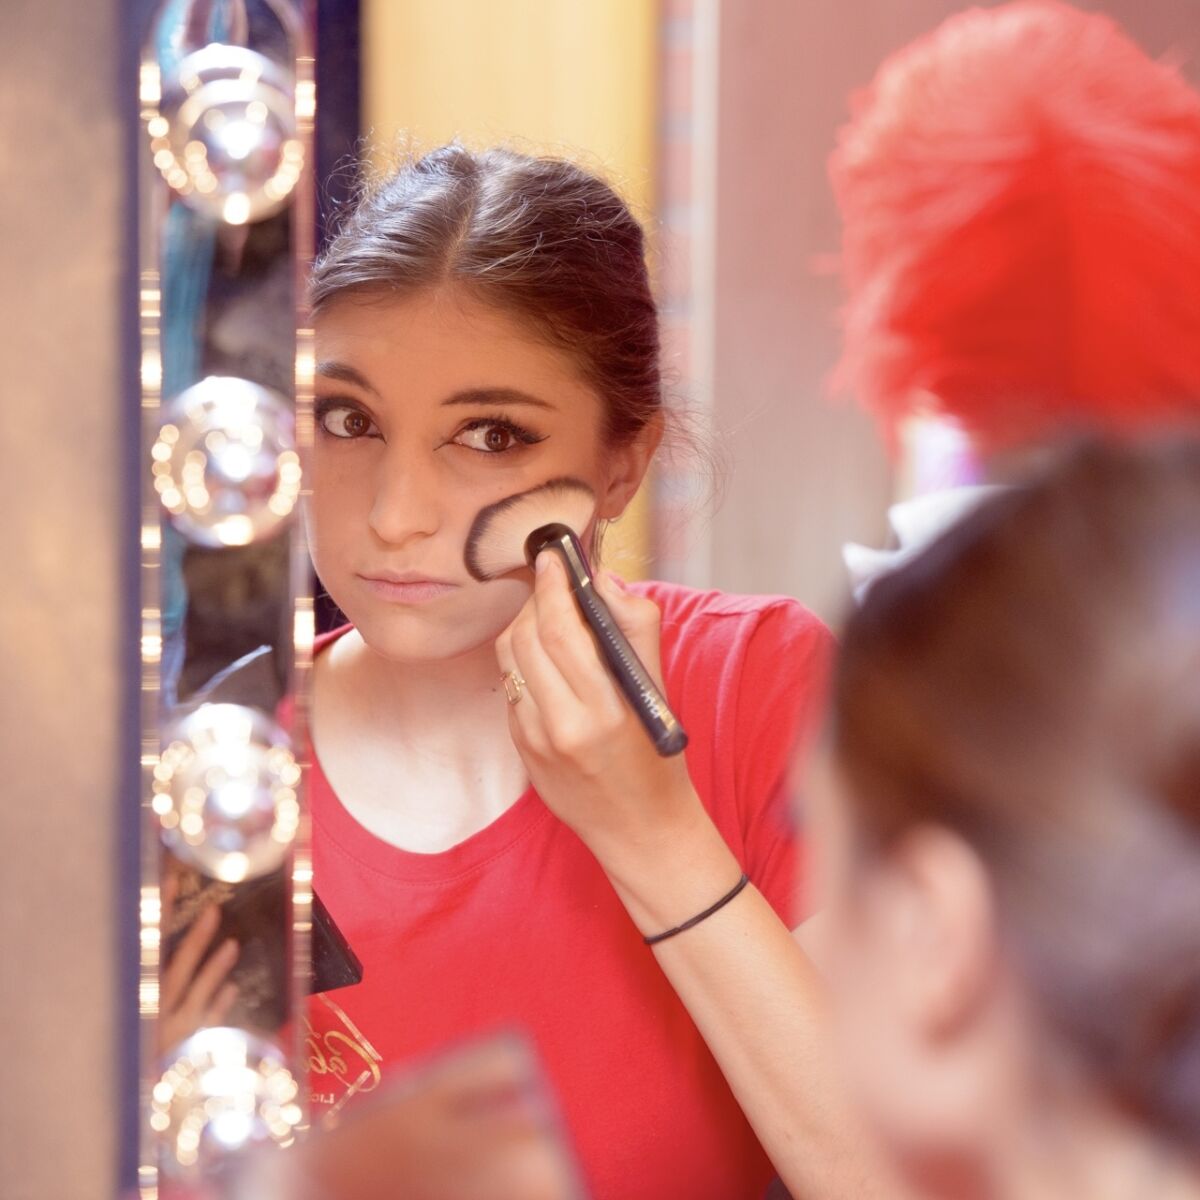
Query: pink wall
x=60, y=617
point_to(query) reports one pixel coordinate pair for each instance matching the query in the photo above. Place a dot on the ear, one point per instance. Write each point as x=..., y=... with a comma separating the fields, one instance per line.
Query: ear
x=625, y=467
x=943, y=926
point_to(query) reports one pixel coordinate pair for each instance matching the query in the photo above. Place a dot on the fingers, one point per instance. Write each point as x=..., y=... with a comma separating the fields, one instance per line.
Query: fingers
x=206, y=1002
x=569, y=698
x=510, y=662
x=202, y=995
x=222, y=1005
x=524, y=653
x=193, y=998
x=188, y=954
x=568, y=694
x=558, y=630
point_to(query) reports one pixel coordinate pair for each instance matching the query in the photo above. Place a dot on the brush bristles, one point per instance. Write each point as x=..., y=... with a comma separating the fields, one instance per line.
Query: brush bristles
x=496, y=544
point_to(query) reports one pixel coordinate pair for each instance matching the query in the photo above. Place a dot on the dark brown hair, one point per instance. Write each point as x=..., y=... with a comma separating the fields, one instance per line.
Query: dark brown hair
x=538, y=238
x=1033, y=682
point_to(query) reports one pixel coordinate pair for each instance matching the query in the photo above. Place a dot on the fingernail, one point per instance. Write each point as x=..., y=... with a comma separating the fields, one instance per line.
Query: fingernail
x=542, y=563
x=230, y=948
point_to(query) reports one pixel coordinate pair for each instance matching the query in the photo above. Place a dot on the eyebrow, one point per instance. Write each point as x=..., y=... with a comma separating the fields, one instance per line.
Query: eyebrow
x=497, y=395
x=346, y=374
x=472, y=396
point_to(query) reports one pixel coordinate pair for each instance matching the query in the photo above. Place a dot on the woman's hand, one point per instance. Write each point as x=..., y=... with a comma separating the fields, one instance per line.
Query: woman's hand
x=590, y=758
x=191, y=998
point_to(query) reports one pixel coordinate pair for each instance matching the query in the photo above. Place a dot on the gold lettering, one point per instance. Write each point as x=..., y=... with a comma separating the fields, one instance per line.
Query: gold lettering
x=342, y=1055
x=370, y=1061
x=317, y=1063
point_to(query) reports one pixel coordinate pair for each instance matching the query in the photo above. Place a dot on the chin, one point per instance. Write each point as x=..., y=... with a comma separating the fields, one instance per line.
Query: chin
x=421, y=647
x=421, y=635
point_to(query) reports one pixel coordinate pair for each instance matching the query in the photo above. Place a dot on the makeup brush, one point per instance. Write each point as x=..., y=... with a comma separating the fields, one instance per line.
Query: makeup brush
x=511, y=533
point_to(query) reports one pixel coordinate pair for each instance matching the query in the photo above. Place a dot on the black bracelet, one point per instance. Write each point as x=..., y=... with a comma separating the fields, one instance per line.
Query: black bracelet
x=708, y=912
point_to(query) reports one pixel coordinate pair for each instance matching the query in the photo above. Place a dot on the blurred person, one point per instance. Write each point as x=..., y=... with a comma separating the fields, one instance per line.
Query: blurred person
x=1009, y=824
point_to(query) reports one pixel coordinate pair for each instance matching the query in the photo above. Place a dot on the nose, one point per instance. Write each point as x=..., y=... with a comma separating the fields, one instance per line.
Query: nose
x=405, y=504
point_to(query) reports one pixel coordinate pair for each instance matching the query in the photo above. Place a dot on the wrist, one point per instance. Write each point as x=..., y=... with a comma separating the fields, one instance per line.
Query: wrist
x=672, y=873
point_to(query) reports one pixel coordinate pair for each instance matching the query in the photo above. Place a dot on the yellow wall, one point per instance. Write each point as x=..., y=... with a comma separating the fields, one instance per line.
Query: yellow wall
x=572, y=77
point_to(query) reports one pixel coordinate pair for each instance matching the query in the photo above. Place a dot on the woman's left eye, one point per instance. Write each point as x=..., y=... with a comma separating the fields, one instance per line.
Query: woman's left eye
x=494, y=437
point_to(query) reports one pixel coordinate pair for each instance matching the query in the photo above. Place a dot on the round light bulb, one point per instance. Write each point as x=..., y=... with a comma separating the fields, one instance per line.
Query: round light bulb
x=224, y=463
x=222, y=1091
x=224, y=136
x=225, y=791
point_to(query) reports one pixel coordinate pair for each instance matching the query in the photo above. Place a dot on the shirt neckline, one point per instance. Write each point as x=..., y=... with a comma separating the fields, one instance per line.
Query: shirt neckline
x=471, y=855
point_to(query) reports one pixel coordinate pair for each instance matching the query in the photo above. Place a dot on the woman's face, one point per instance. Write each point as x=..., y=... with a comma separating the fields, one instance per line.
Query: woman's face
x=872, y=1041
x=931, y=1032
x=429, y=408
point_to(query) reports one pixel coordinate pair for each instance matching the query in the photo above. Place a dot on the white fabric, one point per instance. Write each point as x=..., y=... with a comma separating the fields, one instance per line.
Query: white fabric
x=914, y=524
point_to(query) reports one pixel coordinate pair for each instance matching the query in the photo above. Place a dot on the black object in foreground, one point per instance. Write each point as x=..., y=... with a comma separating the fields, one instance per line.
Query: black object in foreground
x=256, y=914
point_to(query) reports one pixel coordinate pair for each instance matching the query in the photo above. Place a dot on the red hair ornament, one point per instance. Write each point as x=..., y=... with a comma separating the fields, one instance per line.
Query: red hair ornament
x=1020, y=193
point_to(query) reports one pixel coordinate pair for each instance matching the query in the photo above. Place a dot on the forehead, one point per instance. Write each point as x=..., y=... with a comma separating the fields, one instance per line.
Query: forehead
x=442, y=341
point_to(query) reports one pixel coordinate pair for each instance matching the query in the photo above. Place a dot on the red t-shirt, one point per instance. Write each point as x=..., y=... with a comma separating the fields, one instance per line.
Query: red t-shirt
x=518, y=927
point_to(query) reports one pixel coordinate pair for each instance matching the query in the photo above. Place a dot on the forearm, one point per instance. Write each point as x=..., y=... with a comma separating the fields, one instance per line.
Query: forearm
x=759, y=1004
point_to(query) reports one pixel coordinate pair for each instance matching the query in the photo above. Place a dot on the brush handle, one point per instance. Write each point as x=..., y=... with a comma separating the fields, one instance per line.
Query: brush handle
x=631, y=675
x=627, y=669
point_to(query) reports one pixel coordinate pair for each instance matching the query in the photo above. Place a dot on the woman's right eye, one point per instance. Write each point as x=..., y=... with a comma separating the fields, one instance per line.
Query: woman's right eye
x=342, y=421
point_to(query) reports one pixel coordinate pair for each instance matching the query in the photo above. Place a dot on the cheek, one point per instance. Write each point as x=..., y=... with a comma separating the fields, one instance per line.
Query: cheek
x=868, y=1010
x=337, y=497
x=494, y=605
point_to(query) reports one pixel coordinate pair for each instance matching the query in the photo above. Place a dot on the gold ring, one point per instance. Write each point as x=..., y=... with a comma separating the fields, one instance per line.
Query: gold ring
x=514, y=686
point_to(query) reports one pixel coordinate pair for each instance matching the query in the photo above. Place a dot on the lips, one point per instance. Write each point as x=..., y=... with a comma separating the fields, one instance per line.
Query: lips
x=407, y=587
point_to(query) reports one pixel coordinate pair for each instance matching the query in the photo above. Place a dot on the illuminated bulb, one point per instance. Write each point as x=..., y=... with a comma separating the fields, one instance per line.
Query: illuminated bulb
x=239, y=138
x=228, y=117
x=234, y=867
x=225, y=791
x=237, y=461
x=227, y=1091
x=236, y=208
x=238, y=530
x=149, y=83
x=224, y=463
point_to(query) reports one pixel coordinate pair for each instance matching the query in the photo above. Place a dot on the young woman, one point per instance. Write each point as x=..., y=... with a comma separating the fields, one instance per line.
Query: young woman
x=1010, y=827
x=497, y=855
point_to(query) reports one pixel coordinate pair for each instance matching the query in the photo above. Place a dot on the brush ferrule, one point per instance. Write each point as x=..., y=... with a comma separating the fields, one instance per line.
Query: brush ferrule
x=563, y=539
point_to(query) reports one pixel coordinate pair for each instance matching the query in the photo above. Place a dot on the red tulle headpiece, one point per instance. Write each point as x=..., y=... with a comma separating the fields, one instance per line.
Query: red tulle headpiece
x=1020, y=193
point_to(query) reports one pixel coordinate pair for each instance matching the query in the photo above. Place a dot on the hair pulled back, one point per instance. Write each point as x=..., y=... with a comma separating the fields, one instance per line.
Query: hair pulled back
x=1033, y=683
x=536, y=237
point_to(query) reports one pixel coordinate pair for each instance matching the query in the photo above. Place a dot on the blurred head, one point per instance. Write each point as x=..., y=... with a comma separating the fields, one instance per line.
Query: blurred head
x=484, y=323
x=1011, y=804
x=1020, y=196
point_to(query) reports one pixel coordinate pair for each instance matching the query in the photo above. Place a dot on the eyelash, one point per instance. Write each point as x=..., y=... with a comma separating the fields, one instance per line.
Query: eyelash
x=323, y=407
x=522, y=436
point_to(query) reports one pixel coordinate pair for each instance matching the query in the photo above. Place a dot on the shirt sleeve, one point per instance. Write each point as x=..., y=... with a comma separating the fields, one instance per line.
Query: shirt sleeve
x=781, y=700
